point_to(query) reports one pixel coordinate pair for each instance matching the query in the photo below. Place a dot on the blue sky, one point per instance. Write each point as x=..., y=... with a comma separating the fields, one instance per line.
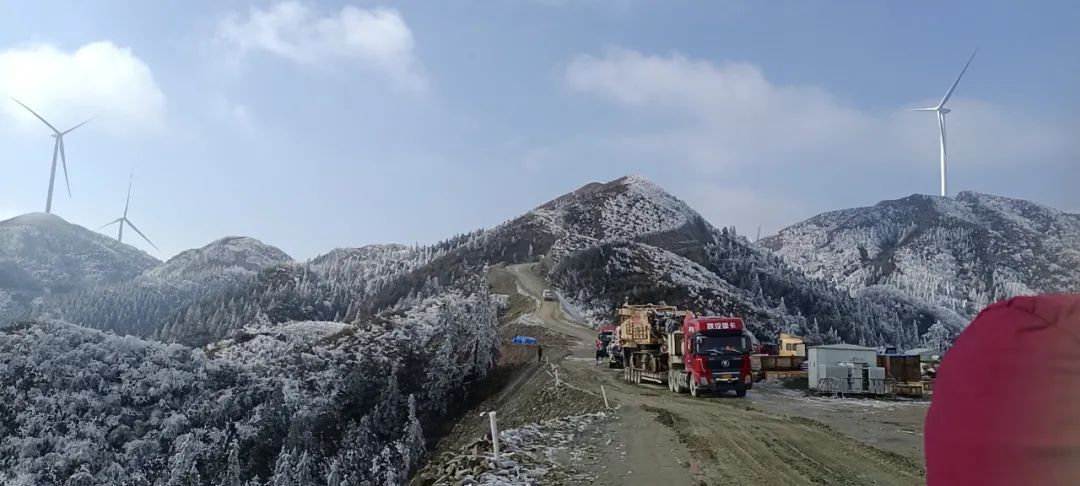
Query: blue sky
x=313, y=125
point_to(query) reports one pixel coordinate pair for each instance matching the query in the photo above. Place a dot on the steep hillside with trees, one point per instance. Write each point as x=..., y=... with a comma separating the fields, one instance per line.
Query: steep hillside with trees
x=291, y=404
x=960, y=253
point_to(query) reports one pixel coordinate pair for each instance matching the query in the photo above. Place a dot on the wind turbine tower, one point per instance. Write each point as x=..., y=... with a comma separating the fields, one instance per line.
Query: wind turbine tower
x=941, y=111
x=124, y=219
x=58, y=148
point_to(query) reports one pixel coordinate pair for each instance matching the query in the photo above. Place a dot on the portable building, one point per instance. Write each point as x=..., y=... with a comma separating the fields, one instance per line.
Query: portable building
x=904, y=368
x=836, y=355
x=791, y=345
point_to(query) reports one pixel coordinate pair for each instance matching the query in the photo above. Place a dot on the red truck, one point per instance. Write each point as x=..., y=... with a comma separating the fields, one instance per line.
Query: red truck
x=689, y=353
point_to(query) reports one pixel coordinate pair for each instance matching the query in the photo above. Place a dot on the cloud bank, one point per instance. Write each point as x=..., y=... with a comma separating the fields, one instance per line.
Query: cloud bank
x=100, y=80
x=723, y=116
x=376, y=39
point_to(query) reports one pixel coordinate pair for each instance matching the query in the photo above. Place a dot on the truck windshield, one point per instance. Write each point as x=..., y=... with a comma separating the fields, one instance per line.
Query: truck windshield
x=722, y=345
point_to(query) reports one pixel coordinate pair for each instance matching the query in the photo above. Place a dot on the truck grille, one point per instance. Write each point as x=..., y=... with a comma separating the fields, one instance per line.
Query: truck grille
x=716, y=364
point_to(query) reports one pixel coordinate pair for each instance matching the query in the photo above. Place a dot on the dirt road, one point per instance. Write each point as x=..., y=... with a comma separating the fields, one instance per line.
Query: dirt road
x=664, y=438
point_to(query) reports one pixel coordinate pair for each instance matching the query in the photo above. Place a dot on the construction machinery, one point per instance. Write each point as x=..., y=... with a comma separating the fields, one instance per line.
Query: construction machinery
x=689, y=353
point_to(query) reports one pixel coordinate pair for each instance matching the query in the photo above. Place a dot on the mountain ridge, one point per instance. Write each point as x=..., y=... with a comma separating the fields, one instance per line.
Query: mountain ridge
x=42, y=254
x=962, y=253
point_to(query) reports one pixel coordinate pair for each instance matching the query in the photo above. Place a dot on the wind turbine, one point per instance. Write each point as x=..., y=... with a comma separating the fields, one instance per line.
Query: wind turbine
x=941, y=110
x=124, y=219
x=58, y=148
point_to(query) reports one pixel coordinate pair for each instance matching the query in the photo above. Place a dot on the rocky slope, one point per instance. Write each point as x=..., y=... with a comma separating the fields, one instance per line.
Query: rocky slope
x=41, y=255
x=960, y=253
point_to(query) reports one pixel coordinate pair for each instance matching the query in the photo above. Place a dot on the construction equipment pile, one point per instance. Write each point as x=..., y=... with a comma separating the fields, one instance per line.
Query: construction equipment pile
x=539, y=453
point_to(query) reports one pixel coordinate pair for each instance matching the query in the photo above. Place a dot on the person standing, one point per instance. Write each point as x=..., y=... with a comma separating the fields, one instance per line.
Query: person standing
x=539, y=353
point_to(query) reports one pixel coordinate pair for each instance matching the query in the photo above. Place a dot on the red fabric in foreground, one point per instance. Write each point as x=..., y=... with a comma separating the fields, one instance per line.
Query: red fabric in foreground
x=1006, y=403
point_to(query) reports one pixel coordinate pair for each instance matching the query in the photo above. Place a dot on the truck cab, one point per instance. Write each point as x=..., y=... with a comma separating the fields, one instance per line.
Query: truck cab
x=714, y=353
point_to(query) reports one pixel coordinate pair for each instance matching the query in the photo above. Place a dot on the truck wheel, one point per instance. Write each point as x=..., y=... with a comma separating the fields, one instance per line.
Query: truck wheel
x=740, y=392
x=693, y=388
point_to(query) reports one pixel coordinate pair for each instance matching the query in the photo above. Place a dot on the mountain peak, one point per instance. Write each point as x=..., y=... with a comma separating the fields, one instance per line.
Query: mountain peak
x=242, y=253
x=41, y=254
x=623, y=208
x=34, y=219
x=636, y=180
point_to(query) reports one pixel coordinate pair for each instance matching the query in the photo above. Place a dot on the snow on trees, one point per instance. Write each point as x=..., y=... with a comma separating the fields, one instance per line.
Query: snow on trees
x=266, y=403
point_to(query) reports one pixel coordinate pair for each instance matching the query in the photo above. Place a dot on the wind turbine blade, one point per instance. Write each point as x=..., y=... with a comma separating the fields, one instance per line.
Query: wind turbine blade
x=128, y=221
x=953, y=87
x=63, y=159
x=37, y=115
x=72, y=129
x=110, y=223
x=128, y=202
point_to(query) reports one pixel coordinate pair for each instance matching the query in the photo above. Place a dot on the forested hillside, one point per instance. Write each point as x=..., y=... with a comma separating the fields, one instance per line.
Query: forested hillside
x=960, y=253
x=43, y=255
x=300, y=403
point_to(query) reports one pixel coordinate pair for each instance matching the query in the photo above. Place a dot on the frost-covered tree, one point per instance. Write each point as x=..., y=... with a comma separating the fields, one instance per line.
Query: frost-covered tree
x=939, y=338
x=411, y=447
x=305, y=471
x=232, y=468
x=283, y=470
x=333, y=474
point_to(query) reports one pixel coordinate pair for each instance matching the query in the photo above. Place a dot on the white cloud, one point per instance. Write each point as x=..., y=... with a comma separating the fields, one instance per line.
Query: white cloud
x=100, y=80
x=232, y=113
x=377, y=39
x=718, y=117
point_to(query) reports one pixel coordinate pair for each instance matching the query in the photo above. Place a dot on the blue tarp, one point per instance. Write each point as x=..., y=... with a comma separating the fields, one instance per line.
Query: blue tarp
x=523, y=340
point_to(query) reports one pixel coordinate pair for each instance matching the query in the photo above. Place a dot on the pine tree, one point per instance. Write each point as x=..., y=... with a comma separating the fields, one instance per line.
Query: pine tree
x=412, y=445
x=232, y=468
x=283, y=470
x=333, y=474
x=304, y=473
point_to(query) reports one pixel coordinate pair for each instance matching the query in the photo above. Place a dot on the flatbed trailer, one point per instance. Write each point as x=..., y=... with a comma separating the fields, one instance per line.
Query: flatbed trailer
x=715, y=356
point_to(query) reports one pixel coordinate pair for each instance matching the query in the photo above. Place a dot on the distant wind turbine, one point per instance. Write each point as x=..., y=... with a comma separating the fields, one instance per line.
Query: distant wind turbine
x=58, y=148
x=941, y=111
x=124, y=219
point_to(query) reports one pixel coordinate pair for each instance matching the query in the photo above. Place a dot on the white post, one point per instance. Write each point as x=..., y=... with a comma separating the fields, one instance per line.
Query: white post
x=556, y=377
x=494, y=435
x=605, y=397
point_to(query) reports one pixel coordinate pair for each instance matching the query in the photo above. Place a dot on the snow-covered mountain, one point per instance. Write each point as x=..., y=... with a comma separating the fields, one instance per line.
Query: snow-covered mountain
x=41, y=254
x=628, y=238
x=961, y=253
x=231, y=254
x=140, y=305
